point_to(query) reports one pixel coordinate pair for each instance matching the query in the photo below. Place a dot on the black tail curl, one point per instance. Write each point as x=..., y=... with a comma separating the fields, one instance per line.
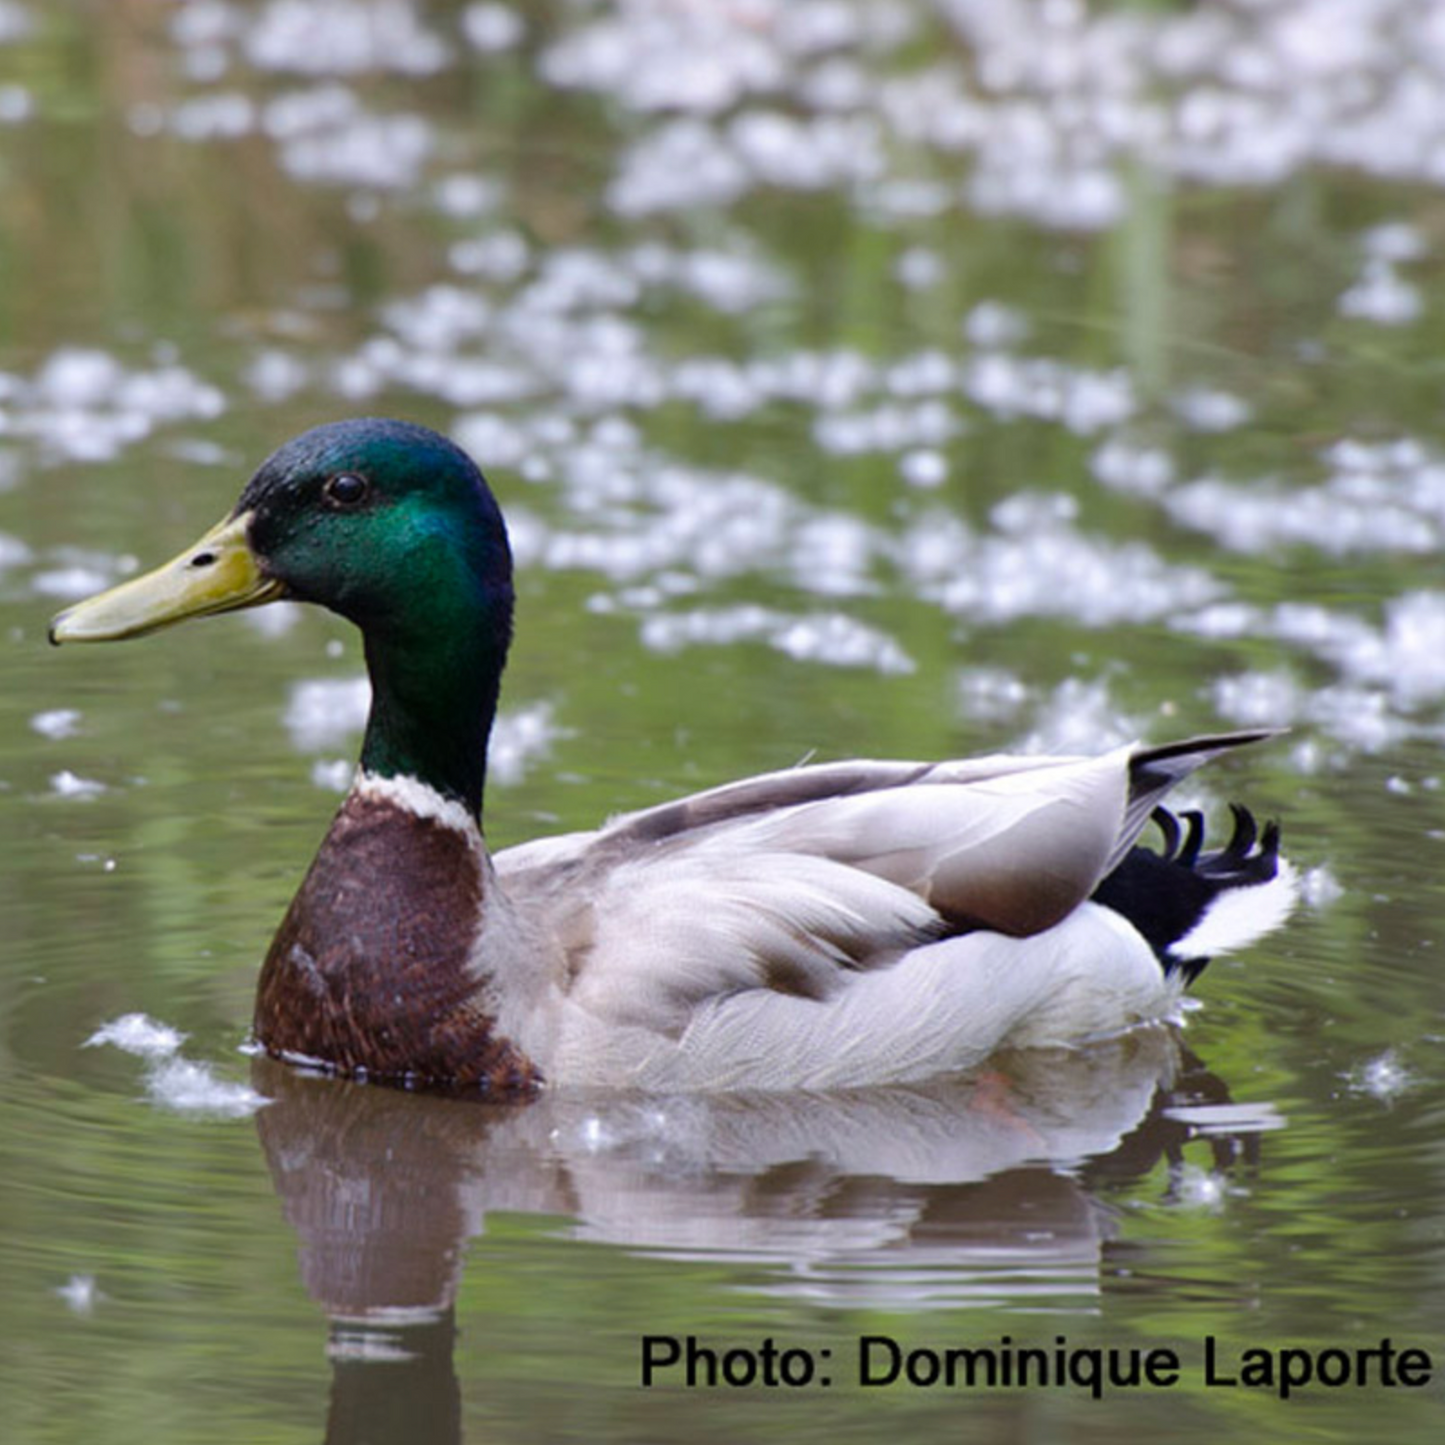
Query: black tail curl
x=1166, y=894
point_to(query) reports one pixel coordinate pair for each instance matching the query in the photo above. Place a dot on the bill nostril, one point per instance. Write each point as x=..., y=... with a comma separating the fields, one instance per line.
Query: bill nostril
x=203, y=559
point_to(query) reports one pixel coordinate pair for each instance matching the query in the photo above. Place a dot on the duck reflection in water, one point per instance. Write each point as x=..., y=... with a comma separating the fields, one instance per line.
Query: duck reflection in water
x=976, y=1190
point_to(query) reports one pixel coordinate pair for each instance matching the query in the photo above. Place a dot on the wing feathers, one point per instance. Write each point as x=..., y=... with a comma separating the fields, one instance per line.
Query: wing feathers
x=1014, y=852
x=1153, y=771
x=794, y=924
x=794, y=882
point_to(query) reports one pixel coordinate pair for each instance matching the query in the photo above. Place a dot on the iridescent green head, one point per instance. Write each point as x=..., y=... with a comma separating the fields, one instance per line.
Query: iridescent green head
x=390, y=525
x=383, y=522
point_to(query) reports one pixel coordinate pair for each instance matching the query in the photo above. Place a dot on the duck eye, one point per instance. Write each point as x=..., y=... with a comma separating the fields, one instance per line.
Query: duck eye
x=346, y=489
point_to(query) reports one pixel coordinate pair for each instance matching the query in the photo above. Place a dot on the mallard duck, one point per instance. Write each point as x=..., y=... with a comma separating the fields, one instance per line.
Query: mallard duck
x=839, y=924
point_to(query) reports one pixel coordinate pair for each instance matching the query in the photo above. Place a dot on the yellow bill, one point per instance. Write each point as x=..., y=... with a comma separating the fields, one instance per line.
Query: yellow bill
x=219, y=573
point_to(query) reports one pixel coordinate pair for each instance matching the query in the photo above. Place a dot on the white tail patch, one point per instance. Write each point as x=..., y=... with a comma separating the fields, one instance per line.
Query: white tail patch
x=1239, y=916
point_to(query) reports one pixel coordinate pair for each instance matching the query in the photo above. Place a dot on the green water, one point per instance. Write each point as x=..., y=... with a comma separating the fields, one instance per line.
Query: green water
x=960, y=377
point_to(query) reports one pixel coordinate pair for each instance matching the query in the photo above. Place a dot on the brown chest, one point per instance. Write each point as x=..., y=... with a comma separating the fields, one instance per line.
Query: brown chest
x=372, y=972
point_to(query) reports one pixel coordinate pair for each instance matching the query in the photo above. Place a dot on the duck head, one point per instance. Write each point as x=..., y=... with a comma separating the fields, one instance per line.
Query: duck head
x=393, y=527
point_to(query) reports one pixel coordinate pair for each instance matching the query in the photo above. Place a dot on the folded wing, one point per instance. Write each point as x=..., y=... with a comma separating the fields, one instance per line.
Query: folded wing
x=795, y=881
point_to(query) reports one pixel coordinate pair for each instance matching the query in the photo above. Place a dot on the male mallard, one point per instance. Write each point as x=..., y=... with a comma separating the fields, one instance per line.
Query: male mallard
x=834, y=925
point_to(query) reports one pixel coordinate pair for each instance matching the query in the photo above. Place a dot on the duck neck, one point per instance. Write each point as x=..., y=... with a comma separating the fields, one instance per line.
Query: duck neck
x=432, y=709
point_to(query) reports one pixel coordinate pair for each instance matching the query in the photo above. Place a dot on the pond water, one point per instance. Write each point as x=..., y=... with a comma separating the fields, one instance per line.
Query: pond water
x=861, y=377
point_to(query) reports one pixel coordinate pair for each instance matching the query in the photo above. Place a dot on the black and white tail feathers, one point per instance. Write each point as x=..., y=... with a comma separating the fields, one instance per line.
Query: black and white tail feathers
x=1190, y=905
